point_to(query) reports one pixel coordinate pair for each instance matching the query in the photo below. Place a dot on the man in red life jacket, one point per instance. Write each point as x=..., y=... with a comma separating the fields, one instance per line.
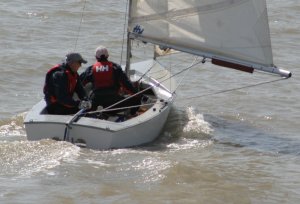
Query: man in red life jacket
x=107, y=77
x=61, y=82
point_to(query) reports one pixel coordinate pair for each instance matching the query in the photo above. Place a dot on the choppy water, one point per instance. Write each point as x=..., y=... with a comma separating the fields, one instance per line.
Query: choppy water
x=237, y=147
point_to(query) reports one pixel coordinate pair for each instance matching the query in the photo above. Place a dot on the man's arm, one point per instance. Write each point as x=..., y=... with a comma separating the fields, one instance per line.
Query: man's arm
x=60, y=83
x=123, y=79
x=87, y=76
x=80, y=90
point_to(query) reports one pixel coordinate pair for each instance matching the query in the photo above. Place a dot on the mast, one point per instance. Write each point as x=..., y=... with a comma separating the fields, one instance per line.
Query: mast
x=128, y=50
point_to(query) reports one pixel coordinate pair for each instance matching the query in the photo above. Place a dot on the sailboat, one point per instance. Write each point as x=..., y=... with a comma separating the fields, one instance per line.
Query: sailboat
x=229, y=33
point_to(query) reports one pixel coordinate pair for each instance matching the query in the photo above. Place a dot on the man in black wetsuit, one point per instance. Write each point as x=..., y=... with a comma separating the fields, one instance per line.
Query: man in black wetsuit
x=61, y=82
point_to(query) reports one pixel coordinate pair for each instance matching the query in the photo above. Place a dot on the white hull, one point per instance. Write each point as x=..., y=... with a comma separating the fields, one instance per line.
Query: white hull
x=104, y=134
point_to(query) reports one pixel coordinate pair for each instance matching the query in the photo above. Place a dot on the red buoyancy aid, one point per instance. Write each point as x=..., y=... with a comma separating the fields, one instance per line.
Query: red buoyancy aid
x=73, y=78
x=48, y=87
x=103, y=75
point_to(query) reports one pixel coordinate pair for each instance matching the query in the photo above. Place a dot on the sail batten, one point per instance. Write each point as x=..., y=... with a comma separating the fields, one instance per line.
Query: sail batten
x=237, y=30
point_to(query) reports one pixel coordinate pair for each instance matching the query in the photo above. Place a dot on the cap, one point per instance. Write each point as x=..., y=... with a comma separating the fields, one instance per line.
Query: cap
x=101, y=50
x=75, y=57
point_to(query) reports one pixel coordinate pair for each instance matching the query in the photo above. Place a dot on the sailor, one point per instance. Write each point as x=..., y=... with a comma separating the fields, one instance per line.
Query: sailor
x=61, y=82
x=107, y=79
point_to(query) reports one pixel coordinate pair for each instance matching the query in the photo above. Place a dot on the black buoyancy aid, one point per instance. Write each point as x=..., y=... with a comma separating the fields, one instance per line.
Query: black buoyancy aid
x=49, y=88
x=103, y=74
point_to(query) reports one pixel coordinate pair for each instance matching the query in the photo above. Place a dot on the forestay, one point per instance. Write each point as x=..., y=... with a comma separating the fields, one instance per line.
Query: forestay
x=235, y=31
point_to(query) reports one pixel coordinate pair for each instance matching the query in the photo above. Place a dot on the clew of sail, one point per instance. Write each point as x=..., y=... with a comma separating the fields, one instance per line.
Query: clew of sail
x=162, y=51
x=234, y=32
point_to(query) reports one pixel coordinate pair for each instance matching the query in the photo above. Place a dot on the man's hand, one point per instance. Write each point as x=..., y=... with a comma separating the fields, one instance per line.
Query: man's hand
x=85, y=105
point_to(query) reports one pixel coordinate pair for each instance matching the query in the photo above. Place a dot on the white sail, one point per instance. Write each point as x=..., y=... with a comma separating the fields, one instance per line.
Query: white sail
x=231, y=30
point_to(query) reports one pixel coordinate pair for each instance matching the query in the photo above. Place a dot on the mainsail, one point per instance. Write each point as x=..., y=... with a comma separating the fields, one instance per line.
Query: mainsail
x=230, y=31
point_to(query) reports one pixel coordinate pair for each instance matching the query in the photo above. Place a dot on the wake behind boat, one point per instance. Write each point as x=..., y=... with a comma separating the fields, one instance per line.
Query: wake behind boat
x=233, y=34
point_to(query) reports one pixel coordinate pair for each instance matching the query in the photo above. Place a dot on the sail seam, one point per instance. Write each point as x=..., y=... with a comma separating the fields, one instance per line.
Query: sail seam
x=211, y=8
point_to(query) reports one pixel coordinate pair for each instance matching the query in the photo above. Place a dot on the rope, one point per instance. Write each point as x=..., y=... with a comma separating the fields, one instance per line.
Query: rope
x=121, y=108
x=147, y=71
x=109, y=108
x=124, y=31
x=204, y=95
x=79, y=28
x=179, y=84
x=233, y=89
x=157, y=84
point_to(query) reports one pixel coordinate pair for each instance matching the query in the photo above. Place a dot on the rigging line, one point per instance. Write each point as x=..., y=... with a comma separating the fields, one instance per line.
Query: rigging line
x=121, y=108
x=147, y=71
x=179, y=84
x=185, y=69
x=79, y=28
x=124, y=31
x=176, y=65
x=233, y=89
x=156, y=84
